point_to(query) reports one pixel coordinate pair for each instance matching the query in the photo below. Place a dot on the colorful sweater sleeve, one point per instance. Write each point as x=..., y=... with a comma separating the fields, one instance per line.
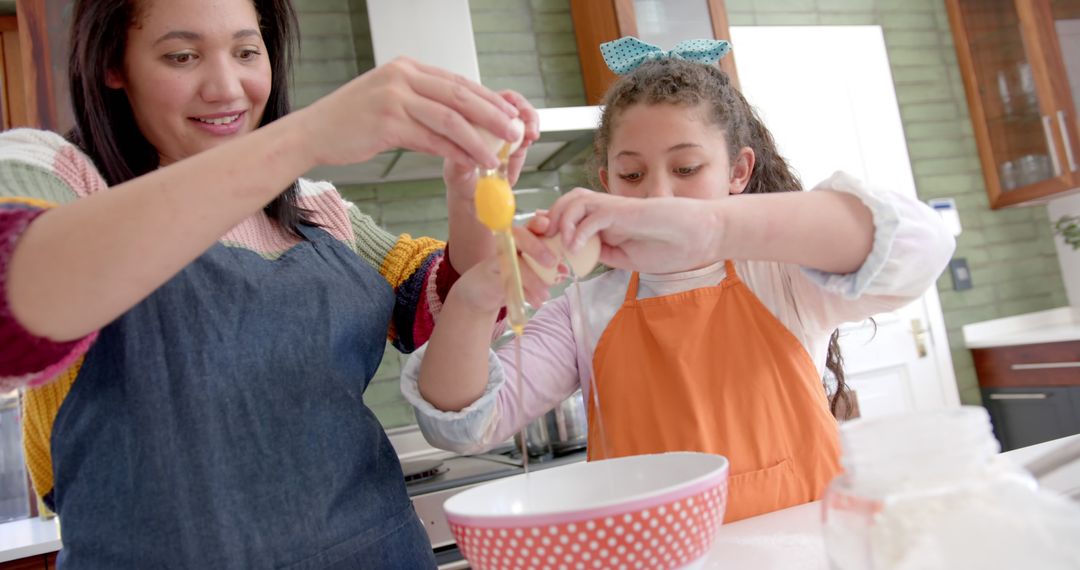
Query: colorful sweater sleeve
x=417, y=268
x=38, y=170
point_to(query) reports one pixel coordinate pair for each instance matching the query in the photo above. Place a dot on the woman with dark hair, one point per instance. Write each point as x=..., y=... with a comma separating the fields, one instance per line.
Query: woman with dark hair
x=195, y=324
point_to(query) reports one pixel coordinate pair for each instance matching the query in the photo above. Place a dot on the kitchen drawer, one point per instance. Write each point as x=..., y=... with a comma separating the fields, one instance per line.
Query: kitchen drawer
x=1038, y=365
x=1026, y=416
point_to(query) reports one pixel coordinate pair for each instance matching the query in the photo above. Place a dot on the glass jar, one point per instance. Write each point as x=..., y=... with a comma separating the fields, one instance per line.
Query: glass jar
x=928, y=490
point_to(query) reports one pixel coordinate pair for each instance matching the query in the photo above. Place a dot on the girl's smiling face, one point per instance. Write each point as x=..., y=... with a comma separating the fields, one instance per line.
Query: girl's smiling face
x=196, y=73
x=666, y=150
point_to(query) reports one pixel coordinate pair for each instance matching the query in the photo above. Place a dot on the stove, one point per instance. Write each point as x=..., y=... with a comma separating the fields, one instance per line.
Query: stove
x=432, y=477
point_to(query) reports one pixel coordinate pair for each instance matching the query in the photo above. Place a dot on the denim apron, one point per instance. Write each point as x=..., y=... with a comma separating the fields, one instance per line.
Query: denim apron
x=220, y=424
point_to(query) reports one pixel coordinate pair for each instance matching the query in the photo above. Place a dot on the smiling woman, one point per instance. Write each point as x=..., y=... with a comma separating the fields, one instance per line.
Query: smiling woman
x=194, y=324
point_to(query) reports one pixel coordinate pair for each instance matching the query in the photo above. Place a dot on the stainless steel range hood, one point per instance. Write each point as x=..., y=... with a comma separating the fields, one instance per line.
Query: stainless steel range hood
x=439, y=32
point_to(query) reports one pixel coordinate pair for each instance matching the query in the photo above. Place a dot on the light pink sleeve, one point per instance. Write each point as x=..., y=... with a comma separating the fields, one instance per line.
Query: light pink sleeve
x=549, y=374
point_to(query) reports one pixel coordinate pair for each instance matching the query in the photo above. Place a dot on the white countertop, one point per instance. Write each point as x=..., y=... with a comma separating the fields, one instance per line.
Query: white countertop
x=28, y=537
x=791, y=539
x=1054, y=325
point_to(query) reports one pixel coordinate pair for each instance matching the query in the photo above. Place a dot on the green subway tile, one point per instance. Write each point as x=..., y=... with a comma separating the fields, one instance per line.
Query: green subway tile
x=915, y=55
x=970, y=395
x=325, y=25
x=916, y=128
x=314, y=6
x=931, y=73
x=337, y=71
x=734, y=6
x=417, y=210
x=1010, y=215
x=969, y=315
x=304, y=95
x=357, y=194
x=784, y=6
x=561, y=63
x=960, y=165
x=505, y=42
x=513, y=8
x=1012, y=233
x=741, y=18
x=383, y=391
x=394, y=415
x=846, y=6
x=1030, y=305
x=433, y=229
x=787, y=19
x=1027, y=287
x=411, y=189
x=326, y=47
x=924, y=93
x=975, y=257
x=557, y=43
x=840, y=19
x=528, y=85
x=944, y=185
x=974, y=297
x=907, y=5
x=553, y=23
x=564, y=84
x=501, y=21
x=495, y=64
x=575, y=100
x=908, y=21
x=1016, y=252
x=919, y=150
x=971, y=238
x=929, y=111
x=544, y=6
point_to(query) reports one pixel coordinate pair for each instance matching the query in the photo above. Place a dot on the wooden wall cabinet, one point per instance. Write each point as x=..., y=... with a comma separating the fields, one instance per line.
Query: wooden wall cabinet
x=33, y=66
x=655, y=21
x=1020, y=61
x=1031, y=391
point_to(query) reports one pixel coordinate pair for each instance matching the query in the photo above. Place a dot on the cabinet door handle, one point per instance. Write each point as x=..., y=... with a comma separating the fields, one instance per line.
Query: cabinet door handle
x=1044, y=365
x=1051, y=145
x=1034, y=396
x=1065, y=137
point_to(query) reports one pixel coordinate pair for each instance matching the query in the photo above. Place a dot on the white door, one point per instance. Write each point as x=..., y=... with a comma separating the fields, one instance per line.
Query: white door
x=827, y=95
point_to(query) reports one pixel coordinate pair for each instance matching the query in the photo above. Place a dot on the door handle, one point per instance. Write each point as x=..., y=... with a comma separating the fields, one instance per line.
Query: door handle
x=1052, y=146
x=921, y=335
x=1032, y=396
x=1065, y=137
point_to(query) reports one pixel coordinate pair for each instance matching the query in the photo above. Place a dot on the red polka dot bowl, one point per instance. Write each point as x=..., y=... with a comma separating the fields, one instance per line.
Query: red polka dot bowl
x=655, y=512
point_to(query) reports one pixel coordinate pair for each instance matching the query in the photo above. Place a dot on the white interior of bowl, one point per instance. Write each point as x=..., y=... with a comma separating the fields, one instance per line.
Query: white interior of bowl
x=588, y=485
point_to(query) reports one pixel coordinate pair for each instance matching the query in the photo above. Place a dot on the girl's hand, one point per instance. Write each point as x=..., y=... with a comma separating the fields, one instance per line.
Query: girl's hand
x=654, y=235
x=482, y=288
x=460, y=177
x=407, y=104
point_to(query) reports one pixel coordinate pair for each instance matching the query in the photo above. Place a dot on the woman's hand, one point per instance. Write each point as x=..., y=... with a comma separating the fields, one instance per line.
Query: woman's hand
x=654, y=235
x=407, y=104
x=482, y=288
x=460, y=177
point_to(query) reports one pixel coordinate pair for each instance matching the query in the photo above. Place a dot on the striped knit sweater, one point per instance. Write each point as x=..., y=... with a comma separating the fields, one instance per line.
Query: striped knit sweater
x=39, y=170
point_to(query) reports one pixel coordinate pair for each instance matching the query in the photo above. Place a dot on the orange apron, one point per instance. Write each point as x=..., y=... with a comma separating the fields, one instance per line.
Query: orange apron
x=713, y=370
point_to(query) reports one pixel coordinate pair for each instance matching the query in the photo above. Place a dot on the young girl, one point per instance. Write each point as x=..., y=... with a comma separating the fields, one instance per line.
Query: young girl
x=721, y=347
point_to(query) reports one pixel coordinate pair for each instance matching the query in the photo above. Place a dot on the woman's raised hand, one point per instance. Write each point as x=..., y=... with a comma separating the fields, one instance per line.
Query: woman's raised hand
x=460, y=177
x=407, y=104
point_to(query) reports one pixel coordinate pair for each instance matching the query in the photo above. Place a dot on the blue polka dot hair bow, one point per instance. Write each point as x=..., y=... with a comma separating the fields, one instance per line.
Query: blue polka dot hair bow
x=626, y=54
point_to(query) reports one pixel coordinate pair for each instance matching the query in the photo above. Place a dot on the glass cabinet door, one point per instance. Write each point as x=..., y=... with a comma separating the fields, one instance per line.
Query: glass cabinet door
x=1066, y=19
x=1021, y=136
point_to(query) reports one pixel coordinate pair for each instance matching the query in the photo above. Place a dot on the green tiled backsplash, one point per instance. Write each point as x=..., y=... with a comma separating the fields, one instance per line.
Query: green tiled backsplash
x=529, y=45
